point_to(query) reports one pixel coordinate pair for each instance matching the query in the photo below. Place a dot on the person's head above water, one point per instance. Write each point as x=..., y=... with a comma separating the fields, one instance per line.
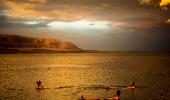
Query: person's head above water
x=118, y=92
x=39, y=82
x=132, y=83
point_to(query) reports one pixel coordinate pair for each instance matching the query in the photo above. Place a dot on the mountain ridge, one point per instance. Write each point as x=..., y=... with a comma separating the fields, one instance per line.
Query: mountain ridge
x=19, y=43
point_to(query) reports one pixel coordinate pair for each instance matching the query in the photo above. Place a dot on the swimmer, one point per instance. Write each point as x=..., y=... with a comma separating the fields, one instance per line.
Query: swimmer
x=131, y=85
x=82, y=97
x=39, y=86
x=117, y=96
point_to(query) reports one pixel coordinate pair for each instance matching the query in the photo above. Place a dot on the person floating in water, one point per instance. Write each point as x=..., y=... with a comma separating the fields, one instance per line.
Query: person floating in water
x=131, y=85
x=82, y=97
x=117, y=96
x=39, y=86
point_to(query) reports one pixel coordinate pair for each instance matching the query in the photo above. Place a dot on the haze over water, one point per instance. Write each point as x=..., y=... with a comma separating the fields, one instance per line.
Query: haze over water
x=70, y=75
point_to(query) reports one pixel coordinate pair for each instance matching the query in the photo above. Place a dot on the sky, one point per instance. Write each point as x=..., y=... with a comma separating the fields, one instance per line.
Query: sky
x=114, y=25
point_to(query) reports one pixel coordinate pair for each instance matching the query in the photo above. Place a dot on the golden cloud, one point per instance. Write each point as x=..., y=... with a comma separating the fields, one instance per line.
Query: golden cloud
x=145, y=25
x=164, y=3
x=28, y=10
x=145, y=2
x=168, y=21
x=106, y=5
x=39, y=1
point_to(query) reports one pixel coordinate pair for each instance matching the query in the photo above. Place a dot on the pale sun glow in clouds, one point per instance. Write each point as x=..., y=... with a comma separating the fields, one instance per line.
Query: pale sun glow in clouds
x=31, y=22
x=80, y=25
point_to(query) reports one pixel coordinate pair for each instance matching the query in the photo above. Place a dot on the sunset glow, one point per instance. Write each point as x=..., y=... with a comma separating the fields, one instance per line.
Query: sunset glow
x=84, y=49
x=107, y=25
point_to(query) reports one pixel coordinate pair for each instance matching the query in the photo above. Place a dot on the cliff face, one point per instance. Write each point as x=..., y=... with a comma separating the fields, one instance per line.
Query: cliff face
x=25, y=43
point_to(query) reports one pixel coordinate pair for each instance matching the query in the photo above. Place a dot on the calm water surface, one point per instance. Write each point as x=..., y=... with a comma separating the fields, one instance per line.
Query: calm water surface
x=93, y=75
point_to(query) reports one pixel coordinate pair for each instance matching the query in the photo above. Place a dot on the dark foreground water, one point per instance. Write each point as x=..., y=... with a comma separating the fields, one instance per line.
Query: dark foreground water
x=93, y=75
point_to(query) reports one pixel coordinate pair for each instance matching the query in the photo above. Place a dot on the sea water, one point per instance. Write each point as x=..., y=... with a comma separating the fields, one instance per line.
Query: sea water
x=67, y=76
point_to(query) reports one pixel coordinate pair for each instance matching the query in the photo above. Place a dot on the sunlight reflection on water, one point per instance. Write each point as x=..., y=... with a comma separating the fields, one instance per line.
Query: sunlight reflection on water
x=68, y=76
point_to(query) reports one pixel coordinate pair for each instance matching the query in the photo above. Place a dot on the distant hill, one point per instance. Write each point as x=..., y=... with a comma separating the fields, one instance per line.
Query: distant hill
x=15, y=44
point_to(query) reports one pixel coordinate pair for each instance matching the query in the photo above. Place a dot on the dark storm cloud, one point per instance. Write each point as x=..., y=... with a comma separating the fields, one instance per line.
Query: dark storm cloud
x=82, y=8
x=125, y=11
x=69, y=10
x=5, y=22
x=90, y=2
